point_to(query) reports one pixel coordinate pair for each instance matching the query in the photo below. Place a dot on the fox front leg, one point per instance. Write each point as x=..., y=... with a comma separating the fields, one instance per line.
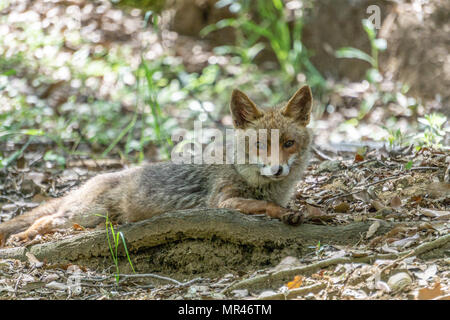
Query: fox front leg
x=250, y=206
x=41, y=226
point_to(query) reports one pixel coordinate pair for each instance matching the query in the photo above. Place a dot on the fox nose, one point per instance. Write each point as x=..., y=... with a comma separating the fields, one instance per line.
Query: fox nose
x=276, y=170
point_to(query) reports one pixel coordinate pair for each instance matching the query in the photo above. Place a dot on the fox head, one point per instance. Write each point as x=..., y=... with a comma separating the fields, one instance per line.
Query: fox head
x=276, y=159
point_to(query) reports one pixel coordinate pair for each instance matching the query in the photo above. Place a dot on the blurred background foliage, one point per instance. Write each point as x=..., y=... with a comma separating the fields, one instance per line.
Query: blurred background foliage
x=117, y=78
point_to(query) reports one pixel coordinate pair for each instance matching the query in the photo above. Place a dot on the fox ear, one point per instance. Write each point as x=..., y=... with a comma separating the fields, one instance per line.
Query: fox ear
x=243, y=110
x=299, y=106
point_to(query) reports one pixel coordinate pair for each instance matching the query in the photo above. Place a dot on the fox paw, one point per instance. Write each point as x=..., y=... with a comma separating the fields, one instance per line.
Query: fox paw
x=292, y=218
x=21, y=237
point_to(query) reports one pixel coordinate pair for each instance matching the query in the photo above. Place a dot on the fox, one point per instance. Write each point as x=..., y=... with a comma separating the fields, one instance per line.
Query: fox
x=141, y=192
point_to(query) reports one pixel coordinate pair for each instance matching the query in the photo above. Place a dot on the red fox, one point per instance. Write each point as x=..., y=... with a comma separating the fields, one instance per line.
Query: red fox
x=139, y=193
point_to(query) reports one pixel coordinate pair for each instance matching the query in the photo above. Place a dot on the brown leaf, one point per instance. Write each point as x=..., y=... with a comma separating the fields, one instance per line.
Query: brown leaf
x=313, y=211
x=396, y=231
x=396, y=202
x=428, y=294
x=377, y=205
x=20, y=163
x=363, y=196
x=416, y=199
x=342, y=207
x=358, y=158
x=77, y=227
x=296, y=283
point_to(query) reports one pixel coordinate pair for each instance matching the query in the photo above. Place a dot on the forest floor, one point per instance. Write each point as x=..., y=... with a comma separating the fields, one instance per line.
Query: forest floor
x=381, y=187
x=79, y=85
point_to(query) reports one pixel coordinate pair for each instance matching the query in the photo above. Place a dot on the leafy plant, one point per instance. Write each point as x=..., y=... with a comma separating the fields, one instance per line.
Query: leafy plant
x=376, y=45
x=395, y=137
x=431, y=133
x=271, y=24
x=52, y=156
x=433, y=130
x=114, y=245
x=372, y=74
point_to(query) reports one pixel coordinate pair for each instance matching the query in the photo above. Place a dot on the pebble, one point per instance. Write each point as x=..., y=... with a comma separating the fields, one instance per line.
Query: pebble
x=399, y=281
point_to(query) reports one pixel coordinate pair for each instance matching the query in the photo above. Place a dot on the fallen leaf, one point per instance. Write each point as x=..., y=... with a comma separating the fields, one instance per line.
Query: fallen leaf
x=56, y=285
x=387, y=249
x=372, y=229
x=397, y=230
x=383, y=286
x=296, y=283
x=363, y=196
x=342, y=207
x=416, y=199
x=313, y=211
x=358, y=158
x=406, y=242
x=396, y=202
x=428, y=294
x=377, y=205
x=287, y=263
x=316, y=214
x=430, y=272
x=77, y=227
x=33, y=260
x=438, y=215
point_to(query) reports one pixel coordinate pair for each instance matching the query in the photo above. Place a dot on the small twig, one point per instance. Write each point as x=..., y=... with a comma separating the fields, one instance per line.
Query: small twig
x=358, y=164
x=124, y=277
x=426, y=168
x=361, y=188
x=320, y=154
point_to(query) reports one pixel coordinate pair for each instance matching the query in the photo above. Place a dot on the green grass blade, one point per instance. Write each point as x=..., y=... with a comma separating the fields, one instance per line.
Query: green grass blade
x=126, y=251
x=353, y=53
x=7, y=162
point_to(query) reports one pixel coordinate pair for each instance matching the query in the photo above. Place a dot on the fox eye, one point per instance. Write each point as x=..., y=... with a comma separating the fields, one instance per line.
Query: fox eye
x=288, y=144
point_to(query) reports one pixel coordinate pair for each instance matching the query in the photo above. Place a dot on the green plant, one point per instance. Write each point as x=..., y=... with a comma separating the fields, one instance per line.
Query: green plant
x=114, y=245
x=264, y=19
x=433, y=130
x=395, y=137
x=431, y=133
x=376, y=45
x=373, y=73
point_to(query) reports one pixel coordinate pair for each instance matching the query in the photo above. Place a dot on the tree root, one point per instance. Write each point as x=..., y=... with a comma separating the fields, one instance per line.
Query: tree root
x=199, y=241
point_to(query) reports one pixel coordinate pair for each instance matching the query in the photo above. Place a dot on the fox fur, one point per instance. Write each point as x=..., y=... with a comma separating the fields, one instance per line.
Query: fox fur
x=140, y=193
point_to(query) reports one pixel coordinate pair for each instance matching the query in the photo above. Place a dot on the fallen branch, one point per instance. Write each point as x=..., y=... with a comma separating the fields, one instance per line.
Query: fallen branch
x=206, y=225
x=124, y=277
x=277, y=278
